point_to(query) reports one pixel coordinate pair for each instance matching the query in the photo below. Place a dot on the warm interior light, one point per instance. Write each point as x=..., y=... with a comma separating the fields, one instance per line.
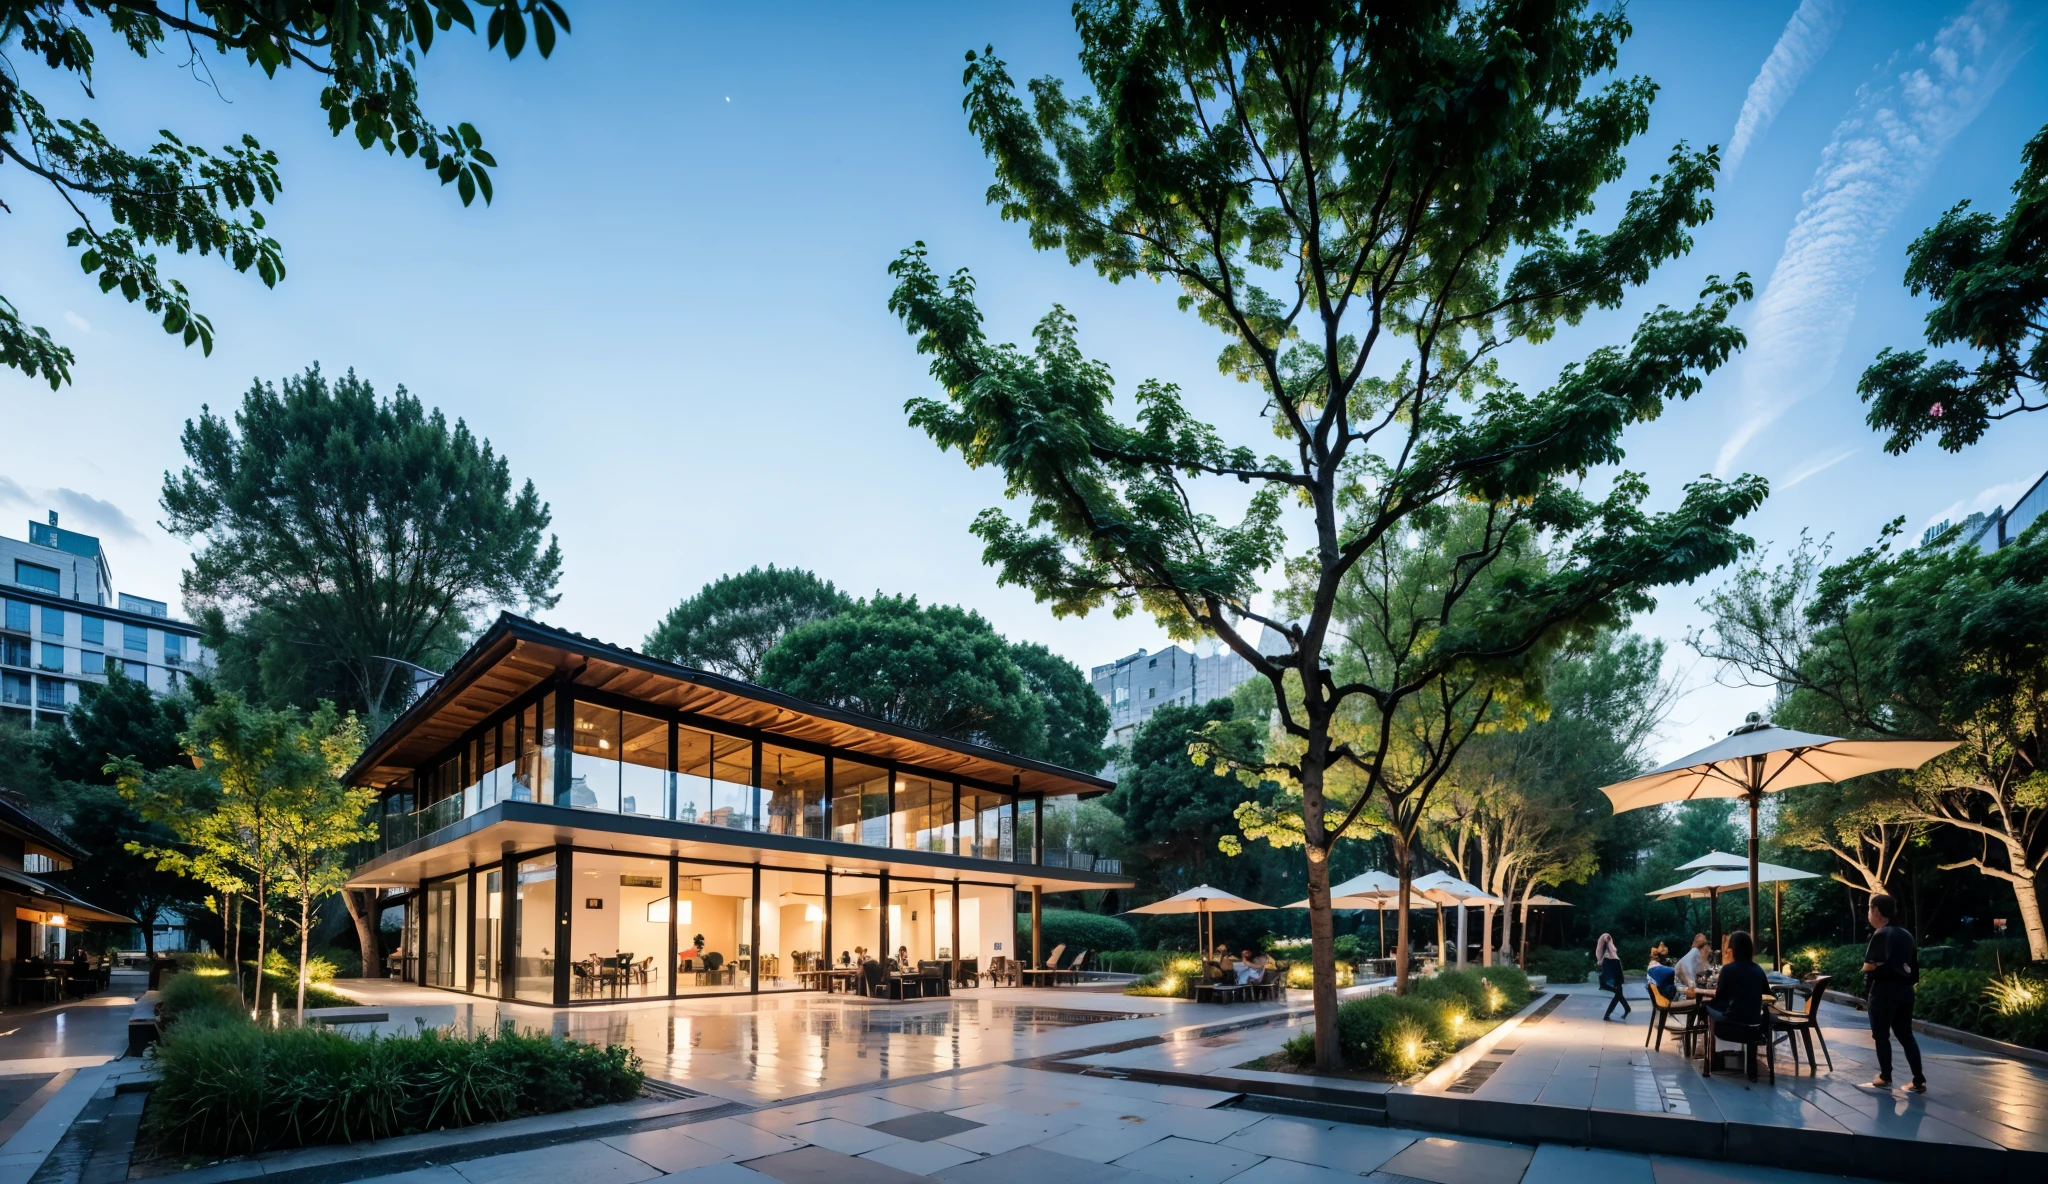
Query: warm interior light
x=813, y=913
x=603, y=743
x=57, y=919
x=683, y=912
x=657, y=910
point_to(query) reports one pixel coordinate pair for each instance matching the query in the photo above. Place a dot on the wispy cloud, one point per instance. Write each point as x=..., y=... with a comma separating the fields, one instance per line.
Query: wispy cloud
x=79, y=510
x=1995, y=497
x=1805, y=39
x=77, y=322
x=1813, y=467
x=1879, y=155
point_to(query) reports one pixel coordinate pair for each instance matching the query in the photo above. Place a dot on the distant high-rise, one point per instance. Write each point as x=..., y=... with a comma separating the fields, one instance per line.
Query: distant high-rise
x=58, y=630
x=1989, y=532
x=1140, y=684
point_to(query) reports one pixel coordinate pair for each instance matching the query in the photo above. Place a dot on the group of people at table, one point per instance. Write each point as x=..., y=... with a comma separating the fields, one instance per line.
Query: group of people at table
x=78, y=975
x=1738, y=994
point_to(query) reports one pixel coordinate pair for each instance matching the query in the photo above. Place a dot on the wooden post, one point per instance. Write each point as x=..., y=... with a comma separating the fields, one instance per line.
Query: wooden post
x=1037, y=925
x=956, y=920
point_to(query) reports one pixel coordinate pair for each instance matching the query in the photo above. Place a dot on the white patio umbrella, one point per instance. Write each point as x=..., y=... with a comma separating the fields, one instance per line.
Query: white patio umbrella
x=1712, y=881
x=1447, y=889
x=1377, y=891
x=1759, y=758
x=1714, y=859
x=1202, y=902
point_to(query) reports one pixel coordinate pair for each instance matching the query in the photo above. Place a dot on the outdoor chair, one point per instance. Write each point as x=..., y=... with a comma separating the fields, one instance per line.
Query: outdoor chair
x=1002, y=972
x=586, y=978
x=1753, y=1038
x=644, y=972
x=1661, y=1011
x=1806, y=1024
x=967, y=972
x=1073, y=971
x=1272, y=984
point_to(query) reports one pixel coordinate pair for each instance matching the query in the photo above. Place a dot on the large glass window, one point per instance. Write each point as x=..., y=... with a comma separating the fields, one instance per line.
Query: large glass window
x=174, y=649
x=643, y=765
x=35, y=575
x=984, y=823
x=14, y=689
x=533, y=929
x=17, y=615
x=714, y=779
x=792, y=792
x=594, y=761
x=856, y=919
x=619, y=927
x=714, y=932
x=445, y=945
x=489, y=931
x=1027, y=831
x=792, y=945
x=135, y=638
x=92, y=629
x=924, y=813
x=860, y=803
x=50, y=693
x=53, y=622
x=13, y=651
x=52, y=656
x=534, y=736
x=92, y=662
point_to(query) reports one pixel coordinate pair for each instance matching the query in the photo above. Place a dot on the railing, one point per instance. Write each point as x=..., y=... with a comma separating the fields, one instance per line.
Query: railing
x=1082, y=861
x=396, y=830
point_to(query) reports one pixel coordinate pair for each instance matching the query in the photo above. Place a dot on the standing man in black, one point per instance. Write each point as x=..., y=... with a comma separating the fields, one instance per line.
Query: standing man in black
x=1891, y=966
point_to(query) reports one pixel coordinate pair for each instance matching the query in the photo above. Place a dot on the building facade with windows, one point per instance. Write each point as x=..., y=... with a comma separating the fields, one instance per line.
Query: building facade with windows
x=567, y=822
x=62, y=626
x=1142, y=683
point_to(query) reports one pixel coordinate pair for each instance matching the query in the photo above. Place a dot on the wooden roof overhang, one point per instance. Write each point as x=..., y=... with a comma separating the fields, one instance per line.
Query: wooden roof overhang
x=482, y=839
x=516, y=654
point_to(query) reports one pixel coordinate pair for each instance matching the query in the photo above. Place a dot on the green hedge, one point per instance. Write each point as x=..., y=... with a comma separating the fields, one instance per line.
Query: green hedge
x=1561, y=966
x=1401, y=1035
x=233, y=1088
x=1077, y=931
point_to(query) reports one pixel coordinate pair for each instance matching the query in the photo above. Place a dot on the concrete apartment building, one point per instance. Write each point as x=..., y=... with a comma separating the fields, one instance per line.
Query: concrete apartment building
x=1140, y=684
x=1989, y=532
x=62, y=626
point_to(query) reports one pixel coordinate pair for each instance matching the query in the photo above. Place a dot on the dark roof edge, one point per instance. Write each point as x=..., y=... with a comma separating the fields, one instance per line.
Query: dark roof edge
x=12, y=815
x=127, y=616
x=511, y=625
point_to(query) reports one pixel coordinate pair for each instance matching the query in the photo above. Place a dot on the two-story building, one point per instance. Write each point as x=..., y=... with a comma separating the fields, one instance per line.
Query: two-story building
x=44, y=914
x=555, y=808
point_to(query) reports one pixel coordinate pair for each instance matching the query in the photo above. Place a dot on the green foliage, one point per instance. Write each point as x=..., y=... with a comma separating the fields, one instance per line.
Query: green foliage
x=1989, y=280
x=353, y=530
x=200, y=994
x=178, y=194
x=1300, y=1049
x=939, y=668
x=238, y=1088
x=1845, y=965
x=319, y=968
x=1077, y=931
x=1398, y=1035
x=1998, y=954
x=1173, y=808
x=344, y=963
x=1076, y=718
x=1561, y=966
x=729, y=626
x=1513, y=988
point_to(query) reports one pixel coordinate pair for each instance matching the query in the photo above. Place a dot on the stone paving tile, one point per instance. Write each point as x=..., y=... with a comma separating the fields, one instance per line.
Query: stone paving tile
x=1555, y=1163
x=1286, y=1171
x=822, y=1165
x=842, y=1136
x=669, y=1150
x=439, y=1174
x=1036, y=1165
x=1339, y=1146
x=743, y=1140
x=1102, y=1144
x=783, y=1118
x=865, y=1109
x=1701, y=1171
x=921, y=1158
x=566, y=1163
x=1001, y=1135
x=1049, y=1102
x=1109, y=1111
x=718, y=1173
x=1461, y=1161
x=1186, y=1161
x=1209, y=1126
x=924, y=1126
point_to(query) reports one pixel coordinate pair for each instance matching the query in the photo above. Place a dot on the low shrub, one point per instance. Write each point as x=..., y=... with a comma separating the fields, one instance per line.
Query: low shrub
x=1159, y=984
x=1561, y=966
x=1300, y=1050
x=319, y=967
x=1077, y=931
x=1998, y=954
x=1138, y=961
x=1511, y=989
x=1845, y=965
x=239, y=1088
x=1398, y=1035
x=199, y=996
x=346, y=963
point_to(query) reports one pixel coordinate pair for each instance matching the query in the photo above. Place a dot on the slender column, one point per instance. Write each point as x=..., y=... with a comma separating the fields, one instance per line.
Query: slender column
x=508, y=932
x=417, y=914
x=565, y=746
x=826, y=953
x=1038, y=830
x=759, y=822
x=754, y=928
x=675, y=881
x=1037, y=926
x=885, y=952
x=889, y=824
x=960, y=828
x=673, y=737
x=565, y=885
x=956, y=915
x=469, y=939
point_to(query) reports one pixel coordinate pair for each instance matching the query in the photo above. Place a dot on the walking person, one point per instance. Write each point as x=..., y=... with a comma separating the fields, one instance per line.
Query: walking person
x=1609, y=959
x=1891, y=966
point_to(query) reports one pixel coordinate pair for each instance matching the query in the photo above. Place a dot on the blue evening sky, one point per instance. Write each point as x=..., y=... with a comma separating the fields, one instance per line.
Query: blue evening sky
x=673, y=318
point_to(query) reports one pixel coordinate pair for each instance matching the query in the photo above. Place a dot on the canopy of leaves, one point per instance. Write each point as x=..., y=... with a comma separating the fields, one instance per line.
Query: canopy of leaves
x=1172, y=807
x=1989, y=280
x=729, y=626
x=178, y=194
x=940, y=668
x=353, y=528
x=1076, y=718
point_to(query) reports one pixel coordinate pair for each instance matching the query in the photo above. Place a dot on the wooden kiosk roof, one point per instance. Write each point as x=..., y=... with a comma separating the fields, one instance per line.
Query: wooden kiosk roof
x=516, y=654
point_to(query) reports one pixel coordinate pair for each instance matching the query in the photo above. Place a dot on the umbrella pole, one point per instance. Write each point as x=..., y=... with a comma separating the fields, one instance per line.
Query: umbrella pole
x=1714, y=914
x=1756, y=797
x=1440, y=936
x=1382, y=915
x=1777, y=923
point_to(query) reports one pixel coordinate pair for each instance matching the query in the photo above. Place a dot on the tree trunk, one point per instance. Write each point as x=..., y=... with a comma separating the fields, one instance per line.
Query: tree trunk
x=262, y=931
x=1402, y=853
x=235, y=946
x=1321, y=930
x=305, y=932
x=362, y=909
x=2027, y=891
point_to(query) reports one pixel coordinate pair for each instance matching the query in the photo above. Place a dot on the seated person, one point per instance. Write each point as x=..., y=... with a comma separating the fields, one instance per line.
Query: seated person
x=903, y=963
x=1738, y=997
x=1692, y=968
x=1248, y=969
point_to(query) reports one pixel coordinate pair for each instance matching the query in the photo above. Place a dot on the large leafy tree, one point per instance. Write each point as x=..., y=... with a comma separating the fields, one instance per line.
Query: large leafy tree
x=1076, y=718
x=359, y=533
x=1370, y=205
x=729, y=626
x=118, y=720
x=1988, y=276
x=1939, y=641
x=1174, y=809
x=127, y=202
x=936, y=667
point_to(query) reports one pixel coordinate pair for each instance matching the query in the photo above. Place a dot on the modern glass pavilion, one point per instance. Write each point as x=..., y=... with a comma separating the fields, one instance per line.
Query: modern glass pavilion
x=566, y=822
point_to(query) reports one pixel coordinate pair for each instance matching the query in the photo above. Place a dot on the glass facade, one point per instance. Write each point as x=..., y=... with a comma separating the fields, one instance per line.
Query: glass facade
x=17, y=615
x=135, y=638
x=923, y=818
x=35, y=575
x=92, y=629
x=792, y=792
x=533, y=930
x=53, y=621
x=714, y=780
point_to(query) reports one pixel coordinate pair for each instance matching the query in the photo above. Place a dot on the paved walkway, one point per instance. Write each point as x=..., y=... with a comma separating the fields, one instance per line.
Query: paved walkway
x=771, y=1048
x=1013, y=1125
x=53, y=1057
